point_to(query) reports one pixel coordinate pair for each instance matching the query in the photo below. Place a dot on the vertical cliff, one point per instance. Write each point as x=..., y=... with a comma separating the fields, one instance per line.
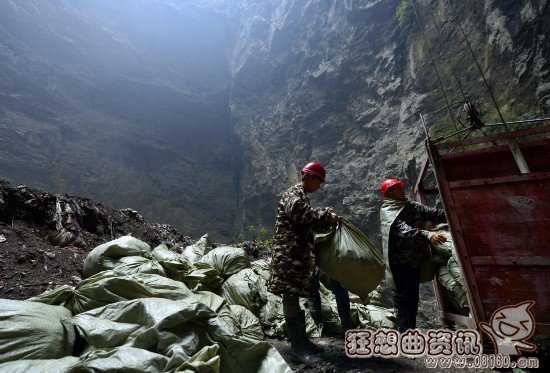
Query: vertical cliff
x=200, y=113
x=344, y=82
x=125, y=102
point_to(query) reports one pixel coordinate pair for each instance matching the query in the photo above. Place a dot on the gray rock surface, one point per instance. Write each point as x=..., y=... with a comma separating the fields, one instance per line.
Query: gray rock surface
x=343, y=83
x=123, y=102
x=200, y=113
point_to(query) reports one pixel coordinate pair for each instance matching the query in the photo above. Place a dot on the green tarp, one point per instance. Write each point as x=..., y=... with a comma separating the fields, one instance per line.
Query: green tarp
x=448, y=270
x=109, y=287
x=155, y=312
x=271, y=316
x=202, y=277
x=57, y=296
x=175, y=265
x=137, y=264
x=226, y=317
x=456, y=291
x=124, y=359
x=194, y=252
x=245, y=289
x=249, y=325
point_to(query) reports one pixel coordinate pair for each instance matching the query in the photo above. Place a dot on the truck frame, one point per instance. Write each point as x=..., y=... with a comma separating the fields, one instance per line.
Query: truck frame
x=496, y=194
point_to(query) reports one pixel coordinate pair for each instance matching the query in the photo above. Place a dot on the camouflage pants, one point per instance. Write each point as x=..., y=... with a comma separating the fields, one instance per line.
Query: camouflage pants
x=292, y=270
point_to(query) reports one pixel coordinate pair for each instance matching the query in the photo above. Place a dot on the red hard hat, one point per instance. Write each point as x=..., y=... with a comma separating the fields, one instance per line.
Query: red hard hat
x=315, y=169
x=387, y=184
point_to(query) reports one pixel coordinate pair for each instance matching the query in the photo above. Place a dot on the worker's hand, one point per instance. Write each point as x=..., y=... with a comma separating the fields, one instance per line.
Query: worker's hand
x=437, y=239
x=333, y=218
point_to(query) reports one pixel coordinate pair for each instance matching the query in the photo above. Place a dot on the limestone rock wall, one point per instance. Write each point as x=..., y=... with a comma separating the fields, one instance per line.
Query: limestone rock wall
x=200, y=113
x=344, y=82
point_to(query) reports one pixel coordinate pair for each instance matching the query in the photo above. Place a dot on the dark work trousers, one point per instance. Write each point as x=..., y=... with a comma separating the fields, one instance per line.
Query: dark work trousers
x=342, y=301
x=405, y=297
x=337, y=289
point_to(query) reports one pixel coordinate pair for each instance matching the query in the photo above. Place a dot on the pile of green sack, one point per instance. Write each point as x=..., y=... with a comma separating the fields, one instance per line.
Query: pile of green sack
x=154, y=310
x=139, y=310
x=449, y=273
x=444, y=264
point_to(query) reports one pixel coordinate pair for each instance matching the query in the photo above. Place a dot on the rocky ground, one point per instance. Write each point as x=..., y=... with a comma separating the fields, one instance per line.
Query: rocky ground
x=335, y=360
x=45, y=237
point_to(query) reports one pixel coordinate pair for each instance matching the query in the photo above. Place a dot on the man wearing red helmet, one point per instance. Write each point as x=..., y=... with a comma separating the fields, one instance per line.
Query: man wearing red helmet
x=406, y=246
x=293, y=259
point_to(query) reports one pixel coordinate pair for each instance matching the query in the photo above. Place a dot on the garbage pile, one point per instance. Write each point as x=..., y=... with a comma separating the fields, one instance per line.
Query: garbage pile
x=151, y=310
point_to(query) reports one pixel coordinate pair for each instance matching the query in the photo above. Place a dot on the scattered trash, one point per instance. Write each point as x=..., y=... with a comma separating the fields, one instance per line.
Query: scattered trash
x=49, y=254
x=46, y=262
x=2, y=238
x=75, y=280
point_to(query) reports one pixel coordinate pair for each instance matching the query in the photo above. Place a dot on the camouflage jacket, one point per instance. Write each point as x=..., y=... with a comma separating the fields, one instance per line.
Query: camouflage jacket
x=408, y=242
x=295, y=217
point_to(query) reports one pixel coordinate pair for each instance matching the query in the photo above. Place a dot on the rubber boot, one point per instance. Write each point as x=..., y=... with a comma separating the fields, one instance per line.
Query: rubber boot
x=296, y=331
x=312, y=346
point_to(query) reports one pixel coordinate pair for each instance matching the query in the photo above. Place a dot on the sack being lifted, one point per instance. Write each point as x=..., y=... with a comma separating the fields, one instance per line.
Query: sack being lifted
x=348, y=256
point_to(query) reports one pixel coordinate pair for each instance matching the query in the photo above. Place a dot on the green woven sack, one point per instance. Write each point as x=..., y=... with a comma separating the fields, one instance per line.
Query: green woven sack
x=31, y=330
x=348, y=256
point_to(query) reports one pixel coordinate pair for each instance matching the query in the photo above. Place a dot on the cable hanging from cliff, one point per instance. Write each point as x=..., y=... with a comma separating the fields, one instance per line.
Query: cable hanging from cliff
x=477, y=63
x=448, y=61
x=434, y=65
x=468, y=107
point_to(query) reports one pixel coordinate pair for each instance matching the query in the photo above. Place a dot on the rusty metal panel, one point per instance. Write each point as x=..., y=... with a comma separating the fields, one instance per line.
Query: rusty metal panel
x=495, y=161
x=501, y=285
x=505, y=219
x=500, y=222
x=496, y=137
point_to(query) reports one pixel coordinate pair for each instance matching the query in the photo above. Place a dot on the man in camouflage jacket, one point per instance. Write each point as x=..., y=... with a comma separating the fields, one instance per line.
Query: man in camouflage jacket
x=293, y=258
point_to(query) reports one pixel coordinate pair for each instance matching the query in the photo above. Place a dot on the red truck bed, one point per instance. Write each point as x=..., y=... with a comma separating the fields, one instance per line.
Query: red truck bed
x=499, y=216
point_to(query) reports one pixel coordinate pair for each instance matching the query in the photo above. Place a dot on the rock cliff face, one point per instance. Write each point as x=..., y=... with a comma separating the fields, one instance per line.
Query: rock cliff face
x=199, y=113
x=344, y=82
x=123, y=102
